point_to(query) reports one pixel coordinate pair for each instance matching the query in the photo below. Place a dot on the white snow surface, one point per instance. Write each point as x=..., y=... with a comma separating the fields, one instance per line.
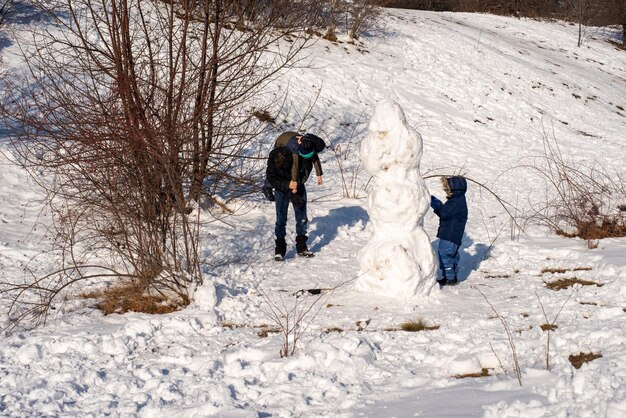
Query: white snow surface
x=398, y=260
x=482, y=91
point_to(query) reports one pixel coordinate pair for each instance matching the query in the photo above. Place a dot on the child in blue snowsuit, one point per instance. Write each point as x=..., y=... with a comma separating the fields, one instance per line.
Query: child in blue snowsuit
x=452, y=220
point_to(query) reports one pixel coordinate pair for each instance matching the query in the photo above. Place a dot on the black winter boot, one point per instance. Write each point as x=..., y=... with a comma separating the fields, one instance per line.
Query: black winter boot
x=280, y=249
x=301, y=248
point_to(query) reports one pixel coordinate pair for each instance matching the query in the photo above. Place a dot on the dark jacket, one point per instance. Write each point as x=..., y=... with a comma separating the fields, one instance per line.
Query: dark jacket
x=453, y=213
x=279, y=165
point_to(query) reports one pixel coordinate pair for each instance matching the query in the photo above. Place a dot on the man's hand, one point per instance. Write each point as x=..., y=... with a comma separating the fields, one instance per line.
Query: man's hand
x=319, y=180
x=269, y=193
x=293, y=185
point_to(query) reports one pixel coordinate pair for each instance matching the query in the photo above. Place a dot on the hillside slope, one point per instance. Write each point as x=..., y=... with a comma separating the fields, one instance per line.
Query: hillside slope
x=483, y=91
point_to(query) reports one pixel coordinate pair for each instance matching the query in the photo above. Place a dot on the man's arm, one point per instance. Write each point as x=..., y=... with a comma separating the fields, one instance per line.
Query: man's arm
x=318, y=168
x=272, y=174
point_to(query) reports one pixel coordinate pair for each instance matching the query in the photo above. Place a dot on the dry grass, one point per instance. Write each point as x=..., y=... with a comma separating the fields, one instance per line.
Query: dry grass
x=134, y=297
x=417, y=325
x=569, y=282
x=332, y=329
x=593, y=230
x=483, y=373
x=582, y=358
x=548, y=327
x=553, y=270
x=560, y=270
x=497, y=276
x=264, y=116
x=330, y=36
x=265, y=331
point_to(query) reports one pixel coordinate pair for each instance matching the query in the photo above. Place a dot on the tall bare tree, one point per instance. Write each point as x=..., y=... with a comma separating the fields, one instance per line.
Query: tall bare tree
x=582, y=11
x=133, y=111
x=623, y=20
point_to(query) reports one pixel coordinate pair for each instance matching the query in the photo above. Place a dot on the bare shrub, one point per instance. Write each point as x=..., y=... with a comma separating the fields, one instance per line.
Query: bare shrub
x=349, y=172
x=509, y=334
x=331, y=18
x=362, y=16
x=550, y=326
x=131, y=114
x=582, y=198
x=353, y=16
x=6, y=6
x=292, y=316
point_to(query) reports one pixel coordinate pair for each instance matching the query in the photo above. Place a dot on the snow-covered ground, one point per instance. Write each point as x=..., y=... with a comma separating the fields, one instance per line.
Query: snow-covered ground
x=482, y=91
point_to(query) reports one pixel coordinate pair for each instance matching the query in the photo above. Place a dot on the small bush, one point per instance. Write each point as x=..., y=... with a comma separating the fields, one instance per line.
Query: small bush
x=579, y=359
x=582, y=198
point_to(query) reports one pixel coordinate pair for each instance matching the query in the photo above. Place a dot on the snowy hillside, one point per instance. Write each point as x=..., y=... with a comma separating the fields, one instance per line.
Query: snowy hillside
x=483, y=91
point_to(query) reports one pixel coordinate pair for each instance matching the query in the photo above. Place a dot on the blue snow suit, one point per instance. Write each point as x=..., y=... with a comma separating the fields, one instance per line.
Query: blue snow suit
x=452, y=220
x=453, y=213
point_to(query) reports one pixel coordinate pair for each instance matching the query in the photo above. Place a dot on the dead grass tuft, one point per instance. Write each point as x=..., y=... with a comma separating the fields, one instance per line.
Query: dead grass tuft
x=548, y=327
x=312, y=32
x=265, y=331
x=483, y=373
x=263, y=116
x=582, y=358
x=332, y=329
x=417, y=325
x=553, y=270
x=330, y=36
x=135, y=297
x=560, y=270
x=594, y=230
x=569, y=282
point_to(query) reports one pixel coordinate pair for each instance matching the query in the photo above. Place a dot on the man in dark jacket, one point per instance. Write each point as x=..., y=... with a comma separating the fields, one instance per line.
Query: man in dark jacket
x=452, y=220
x=289, y=187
